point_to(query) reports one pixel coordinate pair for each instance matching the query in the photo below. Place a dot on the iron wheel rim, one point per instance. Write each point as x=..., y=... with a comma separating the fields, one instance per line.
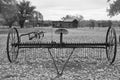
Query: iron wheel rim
x=111, y=49
x=12, y=51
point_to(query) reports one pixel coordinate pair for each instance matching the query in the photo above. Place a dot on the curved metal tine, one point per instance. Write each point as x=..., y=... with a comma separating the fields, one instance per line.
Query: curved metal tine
x=54, y=62
x=57, y=51
x=67, y=61
x=42, y=36
x=39, y=36
x=61, y=53
x=100, y=54
x=105, y=56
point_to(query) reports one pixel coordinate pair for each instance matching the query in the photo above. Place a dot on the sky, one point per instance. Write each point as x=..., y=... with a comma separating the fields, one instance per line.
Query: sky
x=89, y=9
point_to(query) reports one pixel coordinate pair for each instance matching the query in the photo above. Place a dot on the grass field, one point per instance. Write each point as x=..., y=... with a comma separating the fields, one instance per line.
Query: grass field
x=35, y=64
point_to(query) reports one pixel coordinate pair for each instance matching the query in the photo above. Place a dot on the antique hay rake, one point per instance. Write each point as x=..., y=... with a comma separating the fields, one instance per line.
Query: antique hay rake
x=35, y=34
x=14, y=44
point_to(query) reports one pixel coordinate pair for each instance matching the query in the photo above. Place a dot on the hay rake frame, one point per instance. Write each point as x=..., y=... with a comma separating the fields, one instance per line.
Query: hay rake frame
x=14, y=45
x=33, y=35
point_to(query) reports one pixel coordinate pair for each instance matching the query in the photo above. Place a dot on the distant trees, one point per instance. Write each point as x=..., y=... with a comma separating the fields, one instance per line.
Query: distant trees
x=25, y=10
x=19, y=11
x=114, y=8
x=99, y=23
x=8, y=10
x=78, y=17
x=92, y=24
x=36, y=18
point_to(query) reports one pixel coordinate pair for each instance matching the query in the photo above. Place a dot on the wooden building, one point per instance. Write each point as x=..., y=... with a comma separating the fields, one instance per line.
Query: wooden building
x=67, y=23
x=70, y=23
x=57, y=24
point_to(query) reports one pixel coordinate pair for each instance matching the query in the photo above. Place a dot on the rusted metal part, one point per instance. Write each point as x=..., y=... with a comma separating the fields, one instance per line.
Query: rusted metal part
x=63, y=45
x=33, y=35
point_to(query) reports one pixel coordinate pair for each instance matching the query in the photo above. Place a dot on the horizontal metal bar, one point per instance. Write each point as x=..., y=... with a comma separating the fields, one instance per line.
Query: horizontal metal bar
x=63, y=45
x=59, y=47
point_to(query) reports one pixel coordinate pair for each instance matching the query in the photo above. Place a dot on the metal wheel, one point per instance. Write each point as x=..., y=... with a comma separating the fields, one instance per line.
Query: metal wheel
x=12, y=51
x=111, y=49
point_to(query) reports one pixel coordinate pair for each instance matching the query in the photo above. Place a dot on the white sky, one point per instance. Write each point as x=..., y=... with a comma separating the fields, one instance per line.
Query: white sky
x=89, y=9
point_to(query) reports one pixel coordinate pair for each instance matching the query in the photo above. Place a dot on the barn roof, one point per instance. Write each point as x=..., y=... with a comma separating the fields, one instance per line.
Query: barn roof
x=69, y=20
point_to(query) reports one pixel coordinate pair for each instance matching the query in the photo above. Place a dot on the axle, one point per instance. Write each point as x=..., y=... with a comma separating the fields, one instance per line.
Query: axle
x=61, y=45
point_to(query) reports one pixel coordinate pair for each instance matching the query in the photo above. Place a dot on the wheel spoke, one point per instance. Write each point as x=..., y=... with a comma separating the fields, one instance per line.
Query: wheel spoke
x=12, y=51
x=111, y=49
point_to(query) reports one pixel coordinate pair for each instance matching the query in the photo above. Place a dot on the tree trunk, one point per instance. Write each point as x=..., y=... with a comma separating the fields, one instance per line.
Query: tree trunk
x=10, y=25
x=21, y=23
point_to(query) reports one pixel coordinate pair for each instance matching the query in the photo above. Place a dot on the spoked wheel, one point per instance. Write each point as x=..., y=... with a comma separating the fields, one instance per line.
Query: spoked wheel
x=111, y=49
x=12, y=51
